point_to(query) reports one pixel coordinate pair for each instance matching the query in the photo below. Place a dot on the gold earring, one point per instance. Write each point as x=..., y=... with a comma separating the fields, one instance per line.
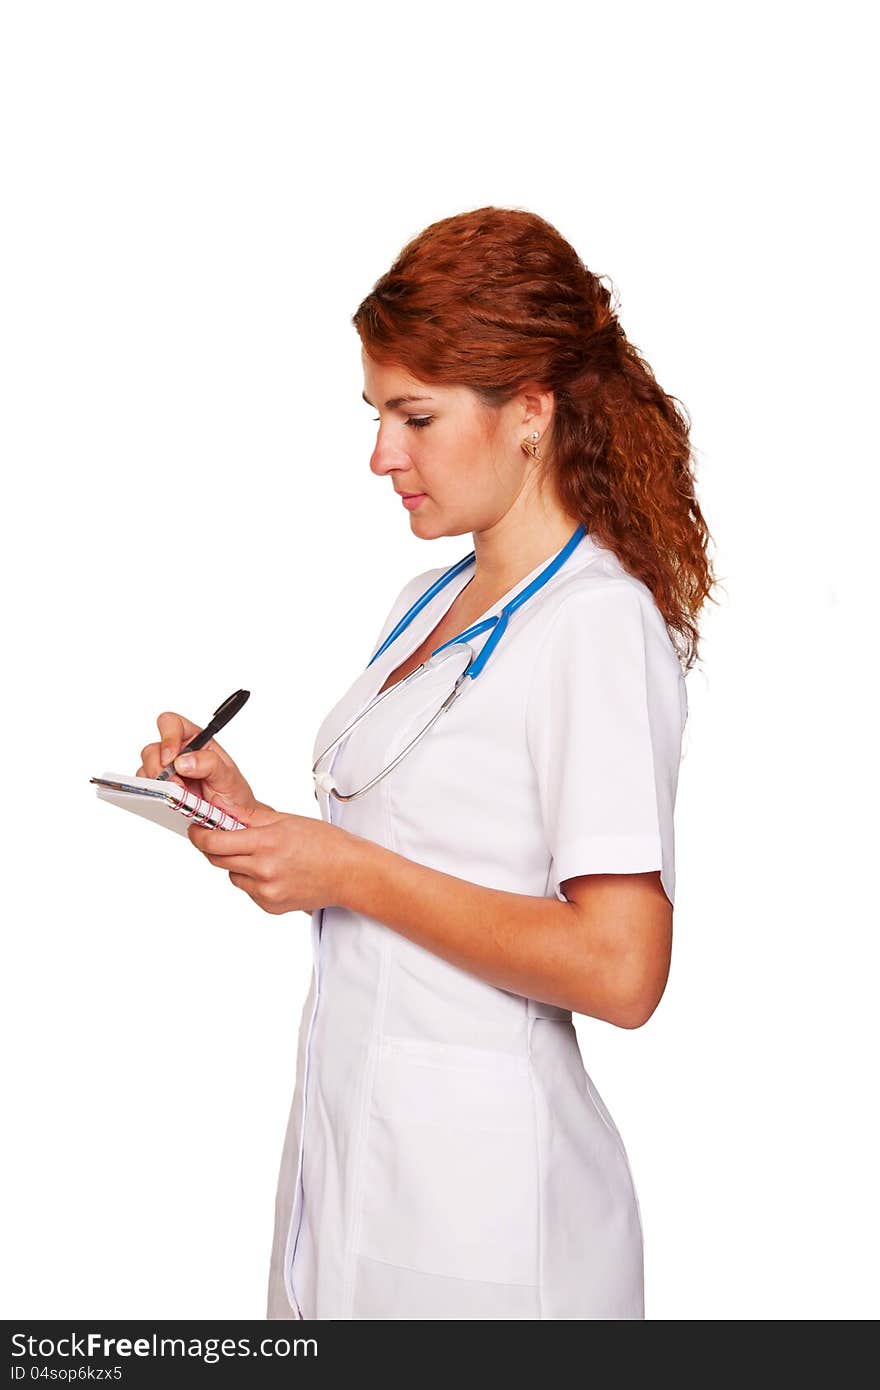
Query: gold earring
x=530, y=446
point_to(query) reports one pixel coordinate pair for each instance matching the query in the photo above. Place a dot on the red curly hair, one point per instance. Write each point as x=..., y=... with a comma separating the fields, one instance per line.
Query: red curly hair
x=496, y=297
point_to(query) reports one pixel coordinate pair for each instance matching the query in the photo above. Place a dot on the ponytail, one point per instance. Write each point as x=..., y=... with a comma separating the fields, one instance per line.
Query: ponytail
x=621, y=461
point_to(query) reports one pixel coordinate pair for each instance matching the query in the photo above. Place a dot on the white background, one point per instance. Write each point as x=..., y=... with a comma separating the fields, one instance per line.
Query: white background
x=197, y=196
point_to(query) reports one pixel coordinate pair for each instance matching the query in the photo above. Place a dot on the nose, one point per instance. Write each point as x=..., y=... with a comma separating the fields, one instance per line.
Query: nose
x=387, y=458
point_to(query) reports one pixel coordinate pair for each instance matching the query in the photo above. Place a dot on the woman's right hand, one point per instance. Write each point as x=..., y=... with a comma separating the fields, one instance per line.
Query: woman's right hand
x=213, y=775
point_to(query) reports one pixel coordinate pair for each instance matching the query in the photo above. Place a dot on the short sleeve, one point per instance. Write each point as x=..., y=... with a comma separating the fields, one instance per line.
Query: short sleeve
x=605, y=718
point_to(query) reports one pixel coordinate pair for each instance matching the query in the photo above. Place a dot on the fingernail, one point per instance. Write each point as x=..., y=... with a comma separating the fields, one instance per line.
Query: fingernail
x=165, y=753
x=186, y=763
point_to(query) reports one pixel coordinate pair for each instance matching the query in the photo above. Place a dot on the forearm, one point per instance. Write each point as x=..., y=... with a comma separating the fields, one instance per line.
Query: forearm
x=539, y=947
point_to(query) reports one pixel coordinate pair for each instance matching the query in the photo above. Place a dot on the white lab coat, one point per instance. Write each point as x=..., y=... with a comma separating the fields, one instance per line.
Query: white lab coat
x=447, y=1155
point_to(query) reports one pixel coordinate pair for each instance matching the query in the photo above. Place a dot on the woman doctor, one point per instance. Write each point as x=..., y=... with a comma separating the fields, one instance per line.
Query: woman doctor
x=479, y=873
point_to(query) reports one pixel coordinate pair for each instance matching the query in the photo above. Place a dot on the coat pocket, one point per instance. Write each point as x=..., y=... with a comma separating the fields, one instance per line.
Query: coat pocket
x=450, y=1174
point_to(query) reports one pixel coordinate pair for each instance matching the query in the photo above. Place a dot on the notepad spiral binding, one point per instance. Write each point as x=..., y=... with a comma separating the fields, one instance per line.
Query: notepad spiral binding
x=207, y=813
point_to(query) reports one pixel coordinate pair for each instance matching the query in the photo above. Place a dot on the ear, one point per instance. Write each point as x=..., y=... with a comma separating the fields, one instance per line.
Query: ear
x=538, y=405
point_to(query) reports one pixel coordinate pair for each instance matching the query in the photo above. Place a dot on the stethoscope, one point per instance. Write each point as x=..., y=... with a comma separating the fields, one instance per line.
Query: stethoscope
x=475, y=664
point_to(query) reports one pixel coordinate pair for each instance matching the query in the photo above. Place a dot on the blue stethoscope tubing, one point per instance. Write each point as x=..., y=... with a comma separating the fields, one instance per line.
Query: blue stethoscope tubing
x=474, y=667
x=499, y=622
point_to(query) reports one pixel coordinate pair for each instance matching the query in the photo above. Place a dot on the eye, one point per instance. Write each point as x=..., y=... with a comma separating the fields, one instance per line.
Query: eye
x=416, y=422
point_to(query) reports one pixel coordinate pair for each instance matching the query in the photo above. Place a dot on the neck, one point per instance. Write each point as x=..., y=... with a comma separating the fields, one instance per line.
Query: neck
x=511, y=548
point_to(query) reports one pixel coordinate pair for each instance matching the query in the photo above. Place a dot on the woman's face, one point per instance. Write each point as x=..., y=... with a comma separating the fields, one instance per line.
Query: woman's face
x=461, y=461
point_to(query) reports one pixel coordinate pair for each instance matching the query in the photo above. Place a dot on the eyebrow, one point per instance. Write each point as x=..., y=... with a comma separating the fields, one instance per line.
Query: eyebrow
x=395, y=401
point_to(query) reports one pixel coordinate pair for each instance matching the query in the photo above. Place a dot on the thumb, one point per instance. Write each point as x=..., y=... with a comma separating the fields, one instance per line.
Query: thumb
x=220, y=778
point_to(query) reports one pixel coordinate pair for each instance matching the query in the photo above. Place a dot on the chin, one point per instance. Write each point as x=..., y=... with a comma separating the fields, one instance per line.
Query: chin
x=426, y=529
x=432, y=528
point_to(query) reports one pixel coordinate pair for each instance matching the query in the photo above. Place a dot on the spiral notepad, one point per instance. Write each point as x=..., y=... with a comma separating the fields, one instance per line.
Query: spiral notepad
x=166, y=803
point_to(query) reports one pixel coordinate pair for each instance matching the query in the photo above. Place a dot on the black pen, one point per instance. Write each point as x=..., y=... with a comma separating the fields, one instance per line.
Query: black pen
x=222, y=716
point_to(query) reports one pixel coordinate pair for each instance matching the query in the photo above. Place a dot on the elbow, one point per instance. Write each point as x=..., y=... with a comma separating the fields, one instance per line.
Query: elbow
x=634, y=1013
x=639, y=992
x=624, y=1008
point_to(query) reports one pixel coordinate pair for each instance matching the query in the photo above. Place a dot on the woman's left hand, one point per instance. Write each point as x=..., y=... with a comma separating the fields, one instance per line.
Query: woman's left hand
x=286, y=863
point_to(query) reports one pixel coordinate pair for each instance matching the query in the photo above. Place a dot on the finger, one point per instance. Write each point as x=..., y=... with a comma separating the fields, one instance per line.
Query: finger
x=142, y=772
x=248, y=885
x=243, y=864
x=224, y=843
x=150, y=760
x=151, y=764
x=206, y=765
x=174, y=731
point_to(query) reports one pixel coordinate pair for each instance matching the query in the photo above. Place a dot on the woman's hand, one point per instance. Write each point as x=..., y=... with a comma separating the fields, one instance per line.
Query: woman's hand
x=285, y=863
x=210, y=772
